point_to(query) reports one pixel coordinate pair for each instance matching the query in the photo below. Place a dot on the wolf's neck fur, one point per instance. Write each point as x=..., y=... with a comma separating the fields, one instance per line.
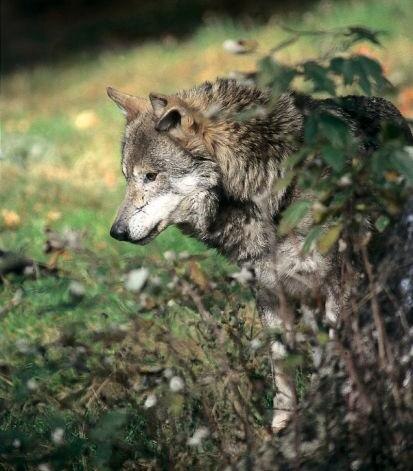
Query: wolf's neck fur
x=241, y=231
x=249, y=152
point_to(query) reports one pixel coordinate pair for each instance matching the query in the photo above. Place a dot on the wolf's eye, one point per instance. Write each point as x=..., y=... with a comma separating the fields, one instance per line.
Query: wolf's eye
x=150, y=177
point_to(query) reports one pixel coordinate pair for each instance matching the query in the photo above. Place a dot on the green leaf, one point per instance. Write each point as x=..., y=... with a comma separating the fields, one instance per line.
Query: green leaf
x=266, y=70
x=110, y=423
x=311, y=130
x=282, y=183
x=334, y=157
x=375, y=70
x=318, y=74
x=340, y=198
x=371, y=66
x=311, y=238
x=360, y=33
x=293, y=215
x=292, y=160
x=379, y=162
x=283, y=79
x=402, y=161
x=326, y=242
x=369, y=73
x=275, y=75
x=334, y=129
x=342, y=66
x=381, y=223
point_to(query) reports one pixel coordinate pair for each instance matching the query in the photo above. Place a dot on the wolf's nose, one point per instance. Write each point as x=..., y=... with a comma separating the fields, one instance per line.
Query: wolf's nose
x=119, y=231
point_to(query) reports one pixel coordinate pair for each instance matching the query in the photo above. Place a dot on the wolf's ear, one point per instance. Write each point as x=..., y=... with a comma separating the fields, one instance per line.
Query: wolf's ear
x=172, y=119
x=177, y=121
x=173, y=115
x=130, y=105
x=159, y=103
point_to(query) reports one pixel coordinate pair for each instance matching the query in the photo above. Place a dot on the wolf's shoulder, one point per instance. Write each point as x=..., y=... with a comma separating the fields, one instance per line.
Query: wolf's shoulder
x=229, y=94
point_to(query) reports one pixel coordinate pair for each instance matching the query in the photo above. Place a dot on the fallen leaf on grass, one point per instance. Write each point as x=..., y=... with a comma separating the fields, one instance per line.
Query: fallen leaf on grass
x=52, y=216
x=10, y=219
x=197, y=275
x=86, y=119
x=147, y=302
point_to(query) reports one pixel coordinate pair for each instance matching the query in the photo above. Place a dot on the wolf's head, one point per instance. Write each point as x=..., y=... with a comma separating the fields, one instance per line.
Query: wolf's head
x=166, y=184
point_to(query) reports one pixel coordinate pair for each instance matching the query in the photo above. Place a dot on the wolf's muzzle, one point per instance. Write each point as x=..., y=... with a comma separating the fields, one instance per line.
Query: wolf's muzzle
x=119, y=231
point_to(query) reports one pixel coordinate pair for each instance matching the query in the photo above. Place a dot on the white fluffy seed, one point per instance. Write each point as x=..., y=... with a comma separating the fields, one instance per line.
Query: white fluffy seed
x=240, y=46
x=135, y=280
x=17, y=443
x=150, y=401
x=58, y=435
x=168, y=373
x=200, y=434
x=32, y=384
x=255, y=344
x=76, y=290
x=345, y=180
x=176, y=384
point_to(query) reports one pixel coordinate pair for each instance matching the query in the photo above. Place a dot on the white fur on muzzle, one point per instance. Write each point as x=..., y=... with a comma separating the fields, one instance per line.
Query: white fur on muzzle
x=145, y=219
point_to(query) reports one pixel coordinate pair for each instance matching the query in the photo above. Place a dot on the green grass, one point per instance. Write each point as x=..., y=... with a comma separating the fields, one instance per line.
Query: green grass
x=59, y=172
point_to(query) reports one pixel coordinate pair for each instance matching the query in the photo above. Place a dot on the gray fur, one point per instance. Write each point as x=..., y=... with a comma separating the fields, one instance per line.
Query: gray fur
x=232, y=165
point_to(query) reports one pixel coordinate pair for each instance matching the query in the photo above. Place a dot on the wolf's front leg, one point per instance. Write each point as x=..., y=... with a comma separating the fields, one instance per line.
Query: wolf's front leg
x=285, y=399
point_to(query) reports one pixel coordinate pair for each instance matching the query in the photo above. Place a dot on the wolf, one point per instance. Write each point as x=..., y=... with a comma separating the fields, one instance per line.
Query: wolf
x=189, y=160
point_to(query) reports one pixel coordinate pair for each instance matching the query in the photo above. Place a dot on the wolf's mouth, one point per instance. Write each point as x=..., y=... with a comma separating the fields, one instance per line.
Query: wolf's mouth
x=149, y=237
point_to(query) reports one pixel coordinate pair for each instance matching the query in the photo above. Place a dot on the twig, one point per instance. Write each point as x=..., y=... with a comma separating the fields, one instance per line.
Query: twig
x=353, y=373
x=6, y=380
x=384, y=353
x=284, y=44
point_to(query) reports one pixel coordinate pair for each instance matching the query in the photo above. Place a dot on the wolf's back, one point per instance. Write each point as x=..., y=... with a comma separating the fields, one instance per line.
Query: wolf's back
x=371, y=113
x=366, y=115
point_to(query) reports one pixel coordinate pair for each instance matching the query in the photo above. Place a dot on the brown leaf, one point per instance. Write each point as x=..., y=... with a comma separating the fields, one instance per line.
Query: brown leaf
x=197, y=275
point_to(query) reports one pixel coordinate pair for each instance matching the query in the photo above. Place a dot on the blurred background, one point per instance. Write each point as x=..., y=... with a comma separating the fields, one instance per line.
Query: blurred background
x=60, y=179
x=46, y=30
